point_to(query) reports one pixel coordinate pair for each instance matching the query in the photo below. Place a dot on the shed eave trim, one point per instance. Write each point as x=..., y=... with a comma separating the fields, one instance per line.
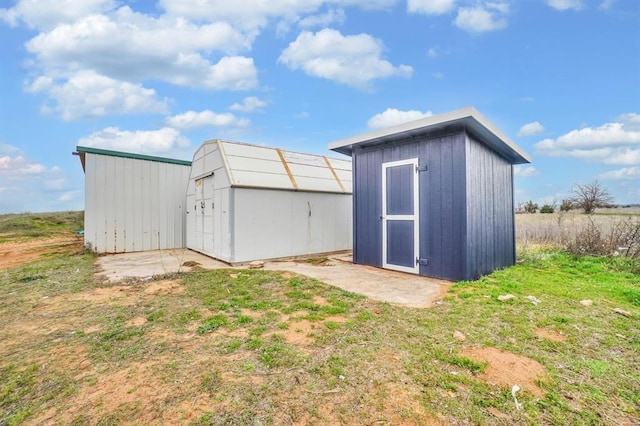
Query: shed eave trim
x=110, y=153
x=467, y=117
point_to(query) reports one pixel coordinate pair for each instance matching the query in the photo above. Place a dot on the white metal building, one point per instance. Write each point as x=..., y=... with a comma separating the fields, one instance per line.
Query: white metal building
x=133, y=202
x=248, y=202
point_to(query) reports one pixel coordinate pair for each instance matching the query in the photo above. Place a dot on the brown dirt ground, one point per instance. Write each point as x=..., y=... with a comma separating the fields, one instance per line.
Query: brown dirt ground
x=554, y=336
x=143, y=391
x=18, y=253
x=507, y=369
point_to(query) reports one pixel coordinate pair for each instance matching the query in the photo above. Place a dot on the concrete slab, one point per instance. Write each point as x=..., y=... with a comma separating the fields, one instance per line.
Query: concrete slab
x=379, y=284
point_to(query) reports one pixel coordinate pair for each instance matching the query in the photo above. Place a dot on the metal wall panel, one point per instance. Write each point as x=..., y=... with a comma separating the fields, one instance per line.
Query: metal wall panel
x=490, y=214
x=270, y=224
x=133, y=204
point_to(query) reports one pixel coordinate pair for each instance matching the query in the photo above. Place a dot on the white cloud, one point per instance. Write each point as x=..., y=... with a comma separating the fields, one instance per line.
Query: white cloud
x=611, y=143
x=525, y=171
x=251, y=15
x=87, y=94
x=28, y=185
x=566, y=4
x=530, y=129
x=5, y=148
x=323, y=20
x=13, y=167
x=627, y=173
x=159, y=141
x=249, y=104
x=433, y=52
x=430, y=7
x=352, y=60
x=481, y=18
x=392, y=116
x=46, y=14
x=193, y=119
x=131, y=46
x=606, y=4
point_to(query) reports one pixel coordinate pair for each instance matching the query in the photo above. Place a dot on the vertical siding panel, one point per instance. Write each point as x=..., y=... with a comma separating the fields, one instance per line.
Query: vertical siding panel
x=490, y=239
x=458, y=236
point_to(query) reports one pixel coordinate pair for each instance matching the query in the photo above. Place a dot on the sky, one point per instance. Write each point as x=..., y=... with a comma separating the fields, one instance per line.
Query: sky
x=561, y=78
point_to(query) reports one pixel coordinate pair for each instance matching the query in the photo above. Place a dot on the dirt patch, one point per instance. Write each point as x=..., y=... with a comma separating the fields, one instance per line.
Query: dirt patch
x=319, y=300
x=18, y=253
x=298, y=333
x=554, y=336
x=163, y=287
x=136, y=322
x=508, y=369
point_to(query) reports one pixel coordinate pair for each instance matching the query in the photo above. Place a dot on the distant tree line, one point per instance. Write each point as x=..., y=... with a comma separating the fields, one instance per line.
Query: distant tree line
x=587, y=197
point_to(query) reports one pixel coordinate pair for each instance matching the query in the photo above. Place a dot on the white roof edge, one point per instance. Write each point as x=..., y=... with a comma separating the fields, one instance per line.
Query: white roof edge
x=464, y=115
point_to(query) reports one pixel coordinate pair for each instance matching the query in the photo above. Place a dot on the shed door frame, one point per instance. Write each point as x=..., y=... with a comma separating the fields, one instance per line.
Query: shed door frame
x=415, y=217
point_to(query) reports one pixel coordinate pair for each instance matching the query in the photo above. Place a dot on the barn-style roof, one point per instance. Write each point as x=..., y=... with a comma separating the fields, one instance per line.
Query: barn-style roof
x=257, y=166
x=468, y=118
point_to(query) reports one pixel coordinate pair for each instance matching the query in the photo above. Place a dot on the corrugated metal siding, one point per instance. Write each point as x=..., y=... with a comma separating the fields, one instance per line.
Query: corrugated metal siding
x=442, y=202
x=490, y=215
x=133, y=204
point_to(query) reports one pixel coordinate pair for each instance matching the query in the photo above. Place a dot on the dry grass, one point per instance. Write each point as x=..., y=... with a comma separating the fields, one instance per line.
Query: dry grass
x=561, y=229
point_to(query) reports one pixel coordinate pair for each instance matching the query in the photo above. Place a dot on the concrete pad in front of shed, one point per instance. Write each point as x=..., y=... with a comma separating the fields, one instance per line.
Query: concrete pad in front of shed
x=397, y=288
x=142, y=264
x=379, y=284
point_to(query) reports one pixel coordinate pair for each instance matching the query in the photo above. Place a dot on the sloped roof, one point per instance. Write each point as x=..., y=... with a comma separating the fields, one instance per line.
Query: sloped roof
x=81, y=151
x=468, y=118
x=258, y=166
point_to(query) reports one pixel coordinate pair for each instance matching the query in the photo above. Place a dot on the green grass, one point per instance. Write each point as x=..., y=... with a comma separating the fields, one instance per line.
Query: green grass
x=223, y=347
x=37, y=225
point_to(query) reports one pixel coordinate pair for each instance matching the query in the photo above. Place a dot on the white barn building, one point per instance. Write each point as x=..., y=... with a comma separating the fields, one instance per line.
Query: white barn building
x=248, y=202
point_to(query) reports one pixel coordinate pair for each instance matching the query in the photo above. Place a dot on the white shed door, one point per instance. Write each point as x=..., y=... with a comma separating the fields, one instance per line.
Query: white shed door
x=204, y=214
x=400, y=216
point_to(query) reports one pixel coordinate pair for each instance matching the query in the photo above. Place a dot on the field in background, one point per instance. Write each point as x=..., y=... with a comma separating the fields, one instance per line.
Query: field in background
x=260, y=347
x=557, y=229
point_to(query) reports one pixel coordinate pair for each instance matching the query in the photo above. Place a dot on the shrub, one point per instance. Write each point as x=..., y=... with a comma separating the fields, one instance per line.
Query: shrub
x=547, y=209
x=566, y=205
x=530, y=207
x=623, y=240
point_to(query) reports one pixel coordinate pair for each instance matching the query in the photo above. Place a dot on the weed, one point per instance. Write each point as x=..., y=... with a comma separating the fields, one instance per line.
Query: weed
x=212, y=324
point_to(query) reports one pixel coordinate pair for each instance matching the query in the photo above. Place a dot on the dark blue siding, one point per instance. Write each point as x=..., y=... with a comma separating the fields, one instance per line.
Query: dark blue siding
x=490, y=219
x=442, y=202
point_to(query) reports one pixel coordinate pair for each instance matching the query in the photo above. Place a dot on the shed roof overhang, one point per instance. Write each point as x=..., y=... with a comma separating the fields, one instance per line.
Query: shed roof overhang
x=81, y=152
x=465, y=118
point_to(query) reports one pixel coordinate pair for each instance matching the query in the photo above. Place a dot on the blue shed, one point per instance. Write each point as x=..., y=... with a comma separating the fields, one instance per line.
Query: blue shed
x=434, y=196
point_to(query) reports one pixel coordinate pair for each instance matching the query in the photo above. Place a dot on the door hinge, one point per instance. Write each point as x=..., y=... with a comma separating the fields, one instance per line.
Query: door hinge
x=423, y=262
x=421, y=168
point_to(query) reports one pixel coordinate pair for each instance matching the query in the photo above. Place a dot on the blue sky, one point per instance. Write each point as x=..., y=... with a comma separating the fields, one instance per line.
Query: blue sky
x=559, y=77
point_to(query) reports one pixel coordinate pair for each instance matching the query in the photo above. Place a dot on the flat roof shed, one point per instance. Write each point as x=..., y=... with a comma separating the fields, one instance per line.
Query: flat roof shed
x=434, y=196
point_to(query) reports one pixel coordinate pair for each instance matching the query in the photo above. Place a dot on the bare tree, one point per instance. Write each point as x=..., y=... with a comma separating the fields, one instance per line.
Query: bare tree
x=590, y=196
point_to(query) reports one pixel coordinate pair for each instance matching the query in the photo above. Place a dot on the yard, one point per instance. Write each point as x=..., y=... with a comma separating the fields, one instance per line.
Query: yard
x=263, y=347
